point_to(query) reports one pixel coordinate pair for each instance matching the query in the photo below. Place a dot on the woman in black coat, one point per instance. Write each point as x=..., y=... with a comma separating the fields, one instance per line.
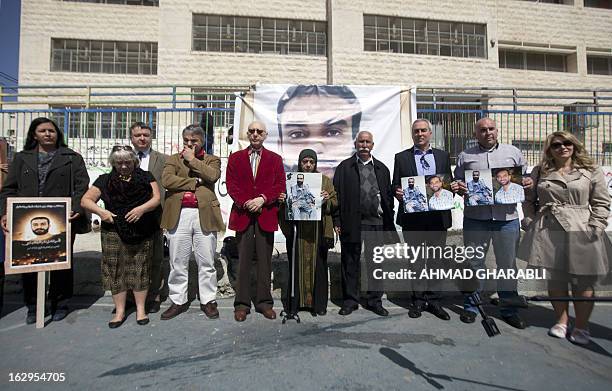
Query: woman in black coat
x=47, y=168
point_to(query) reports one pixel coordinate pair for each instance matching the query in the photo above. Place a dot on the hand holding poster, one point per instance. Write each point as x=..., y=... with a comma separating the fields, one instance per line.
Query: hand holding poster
x=303, y=196
x=39, y=234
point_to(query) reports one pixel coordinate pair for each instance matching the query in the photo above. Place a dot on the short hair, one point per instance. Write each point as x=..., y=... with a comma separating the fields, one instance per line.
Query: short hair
x=410, y=179
x=434, y=177
x=422, y=120
x=300, y=176
x=31, y=142
x=509, y=171
x=141, y=125
x=40, y=218
x=196, y=130
x=475, y=172
x=363, y=131
x=299, y=91
x=123, y=154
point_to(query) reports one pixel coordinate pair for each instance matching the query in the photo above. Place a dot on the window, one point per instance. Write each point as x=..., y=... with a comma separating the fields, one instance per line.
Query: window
x=70, y=55
x=150, y=3
x=599, y=65
x=607, y=4
x=535, y=61
x=432, y=37
x=232, y=34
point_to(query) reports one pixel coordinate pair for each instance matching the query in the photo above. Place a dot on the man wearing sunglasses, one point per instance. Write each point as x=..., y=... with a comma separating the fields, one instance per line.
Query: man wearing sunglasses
x=426, y=227
x=484, y=224
x=255, y=178
x=152, y=161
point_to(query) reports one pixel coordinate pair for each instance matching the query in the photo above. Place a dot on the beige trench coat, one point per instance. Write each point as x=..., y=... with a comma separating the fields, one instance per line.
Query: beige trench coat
x=561, y=214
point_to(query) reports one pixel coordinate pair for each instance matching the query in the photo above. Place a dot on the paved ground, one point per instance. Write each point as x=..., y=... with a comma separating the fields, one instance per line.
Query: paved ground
x=358, y=352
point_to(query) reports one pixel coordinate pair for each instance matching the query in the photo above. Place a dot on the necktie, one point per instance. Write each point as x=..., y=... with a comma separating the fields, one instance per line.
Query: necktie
x=140, y=155
x=254, y=162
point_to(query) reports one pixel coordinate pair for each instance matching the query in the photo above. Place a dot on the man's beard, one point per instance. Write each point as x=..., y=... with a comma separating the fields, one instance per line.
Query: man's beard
x=41, y=231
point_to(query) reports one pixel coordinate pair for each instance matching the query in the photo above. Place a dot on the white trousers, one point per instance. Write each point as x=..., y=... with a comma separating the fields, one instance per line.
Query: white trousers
x=188, y=236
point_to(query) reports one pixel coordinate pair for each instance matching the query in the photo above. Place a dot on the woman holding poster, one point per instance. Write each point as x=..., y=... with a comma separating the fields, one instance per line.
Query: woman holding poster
x=308, y=243
x=129, y=220
x=566, y=213
x=47, y=168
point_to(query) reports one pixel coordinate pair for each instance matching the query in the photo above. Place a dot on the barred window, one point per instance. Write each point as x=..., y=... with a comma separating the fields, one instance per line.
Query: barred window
x=150, y=3
x=420, y=36
x=534, y=61
x=599, y=65
x=120, y=57
x=219, y=33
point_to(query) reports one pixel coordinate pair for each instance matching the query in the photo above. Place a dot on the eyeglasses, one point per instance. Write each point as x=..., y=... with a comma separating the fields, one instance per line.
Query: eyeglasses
x=121, y=148
x=491, y=128
x=424, y=163
x=557, y=145
x=259, y=131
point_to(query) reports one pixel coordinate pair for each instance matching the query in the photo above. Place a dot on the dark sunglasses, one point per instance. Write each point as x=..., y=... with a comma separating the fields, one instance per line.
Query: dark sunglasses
x=121, y=148
x=557, y=145
x=259, y=131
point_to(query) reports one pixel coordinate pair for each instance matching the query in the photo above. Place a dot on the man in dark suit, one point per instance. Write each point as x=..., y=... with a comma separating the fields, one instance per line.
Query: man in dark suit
x=425, y=227
x=152, y=161
x=255, y=178
x=365, y=202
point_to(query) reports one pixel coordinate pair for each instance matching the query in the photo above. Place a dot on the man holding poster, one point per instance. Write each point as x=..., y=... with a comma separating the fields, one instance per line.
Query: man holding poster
x=427, y=227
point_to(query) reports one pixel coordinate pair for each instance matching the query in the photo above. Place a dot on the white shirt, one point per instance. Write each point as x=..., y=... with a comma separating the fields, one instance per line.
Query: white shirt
x=144, y=162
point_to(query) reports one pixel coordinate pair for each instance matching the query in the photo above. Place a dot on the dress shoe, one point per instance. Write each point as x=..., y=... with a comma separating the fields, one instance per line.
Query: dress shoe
x=467, y=317
x=210, y=309
x=60, y=313
x=438, y=311
x=348, y=309
x=142, y=322
x=31, y=316
x=174, y=310
x=321, y=312
x=240, y=315
x=414, y=312
x=378, y=310
x=153, y=306
x=515, y=321
x=269, y=313
x=114, y=325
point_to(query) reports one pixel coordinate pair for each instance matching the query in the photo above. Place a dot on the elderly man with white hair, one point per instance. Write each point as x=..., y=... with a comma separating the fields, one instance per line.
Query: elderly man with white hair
x=365, y=202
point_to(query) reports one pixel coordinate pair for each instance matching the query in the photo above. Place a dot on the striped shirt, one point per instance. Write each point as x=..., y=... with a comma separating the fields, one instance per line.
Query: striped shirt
x=443, y=202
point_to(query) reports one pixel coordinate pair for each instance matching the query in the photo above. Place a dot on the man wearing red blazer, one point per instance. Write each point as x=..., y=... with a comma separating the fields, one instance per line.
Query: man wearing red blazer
x=255, y=178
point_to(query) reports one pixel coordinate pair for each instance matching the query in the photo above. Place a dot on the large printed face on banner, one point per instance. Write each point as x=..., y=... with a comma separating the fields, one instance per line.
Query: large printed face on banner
x=326, y=119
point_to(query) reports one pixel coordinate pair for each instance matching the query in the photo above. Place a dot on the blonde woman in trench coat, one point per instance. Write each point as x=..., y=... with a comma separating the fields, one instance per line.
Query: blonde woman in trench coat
x=566, y=213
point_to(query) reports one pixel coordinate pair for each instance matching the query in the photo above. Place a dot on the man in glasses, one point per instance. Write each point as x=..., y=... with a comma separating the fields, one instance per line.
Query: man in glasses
x=484, y=224
x=323, y=118
x=152, y=161
x=255, y=178
x=429, y=228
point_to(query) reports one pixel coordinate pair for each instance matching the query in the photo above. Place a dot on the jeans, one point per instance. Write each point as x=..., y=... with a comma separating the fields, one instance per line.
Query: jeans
x=505, y=236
